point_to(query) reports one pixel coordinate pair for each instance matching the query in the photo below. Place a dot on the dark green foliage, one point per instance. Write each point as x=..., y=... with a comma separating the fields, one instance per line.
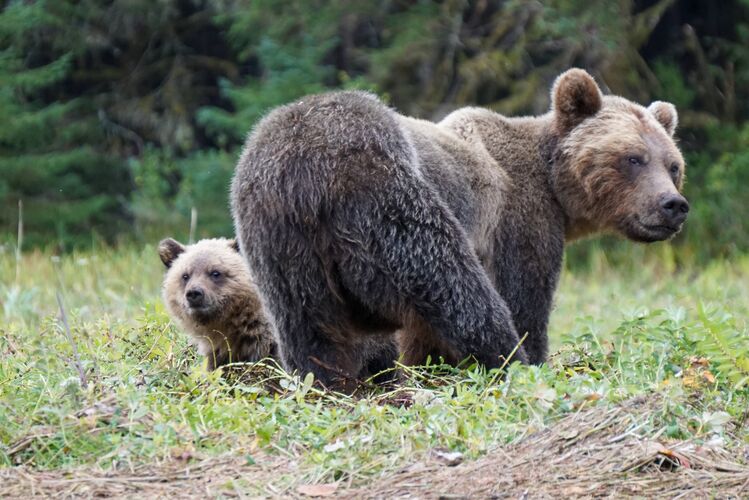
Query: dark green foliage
x=120, y=117
x=285, y=45
x=719, y=179
x=50, y=153
x=86, y=86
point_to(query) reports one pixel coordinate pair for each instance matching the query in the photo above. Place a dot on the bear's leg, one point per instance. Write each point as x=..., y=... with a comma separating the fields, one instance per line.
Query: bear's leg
x=380, y=362
x=404, y=256
x=252, y=348
x=418, y=341
x=308, y=318
x=217, y=357
x=528, y=271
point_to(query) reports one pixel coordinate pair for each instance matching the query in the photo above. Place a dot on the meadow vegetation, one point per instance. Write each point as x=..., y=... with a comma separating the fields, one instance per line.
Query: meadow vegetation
x=125, y=389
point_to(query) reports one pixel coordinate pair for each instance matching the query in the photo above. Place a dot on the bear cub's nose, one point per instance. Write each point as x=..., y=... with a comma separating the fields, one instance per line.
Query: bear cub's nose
x=194, y=297
x=675, y=208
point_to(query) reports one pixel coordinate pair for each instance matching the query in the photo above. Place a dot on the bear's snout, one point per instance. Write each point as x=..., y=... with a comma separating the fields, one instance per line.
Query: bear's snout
x=195, y=297
x=674, y=209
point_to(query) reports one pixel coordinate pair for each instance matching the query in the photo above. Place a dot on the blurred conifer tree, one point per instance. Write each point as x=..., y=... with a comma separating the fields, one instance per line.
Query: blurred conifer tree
x=119, y=116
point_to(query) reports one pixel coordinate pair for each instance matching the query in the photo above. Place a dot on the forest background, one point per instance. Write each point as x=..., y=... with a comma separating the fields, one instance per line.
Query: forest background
x=118, y=118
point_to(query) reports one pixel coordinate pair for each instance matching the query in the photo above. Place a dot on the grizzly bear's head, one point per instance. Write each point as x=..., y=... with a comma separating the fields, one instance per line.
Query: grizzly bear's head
x=616, y=165
x=204, y=281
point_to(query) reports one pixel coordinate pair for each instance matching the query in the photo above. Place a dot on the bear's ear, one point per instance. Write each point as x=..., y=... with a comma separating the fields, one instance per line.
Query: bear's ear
x=169, y=249
x=234, y=244
x=574, y=97
x=665, y=113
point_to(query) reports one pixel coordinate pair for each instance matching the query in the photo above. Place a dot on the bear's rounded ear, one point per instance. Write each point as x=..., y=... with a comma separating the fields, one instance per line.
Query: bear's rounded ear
x=665, y=113
x=169, y=249
x=574, y=97
x=234, y=244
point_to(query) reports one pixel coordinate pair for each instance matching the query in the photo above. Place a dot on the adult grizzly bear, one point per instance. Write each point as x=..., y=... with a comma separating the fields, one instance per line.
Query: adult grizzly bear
x=364, y=221
x=207, y=289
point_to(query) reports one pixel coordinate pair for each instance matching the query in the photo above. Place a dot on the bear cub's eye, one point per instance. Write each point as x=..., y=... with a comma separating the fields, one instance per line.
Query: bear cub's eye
x=215, y=274
x=674, y=168
x=185, y=277
x=635, y=160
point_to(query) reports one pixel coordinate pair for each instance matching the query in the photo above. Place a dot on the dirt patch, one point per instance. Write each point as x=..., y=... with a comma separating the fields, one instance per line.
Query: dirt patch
x=210, y=478
x=598, y=453
x=594, y=454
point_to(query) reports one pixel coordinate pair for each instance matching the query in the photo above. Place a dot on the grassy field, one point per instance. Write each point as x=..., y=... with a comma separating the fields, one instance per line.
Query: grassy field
x=111, y=399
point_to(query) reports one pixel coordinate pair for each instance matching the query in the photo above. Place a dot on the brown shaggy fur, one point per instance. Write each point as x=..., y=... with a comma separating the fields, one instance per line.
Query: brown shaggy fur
x=224, y=318
x=358, y=222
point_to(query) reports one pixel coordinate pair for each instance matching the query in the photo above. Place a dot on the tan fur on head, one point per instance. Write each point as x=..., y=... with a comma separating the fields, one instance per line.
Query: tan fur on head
x=208, y=290
x=665, y=113
x=575, y=97
x=617, y=167
x=169, y=249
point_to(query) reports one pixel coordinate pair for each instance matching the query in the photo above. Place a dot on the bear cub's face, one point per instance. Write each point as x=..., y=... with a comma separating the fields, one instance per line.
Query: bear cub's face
x=202, y=279
x=618, y=166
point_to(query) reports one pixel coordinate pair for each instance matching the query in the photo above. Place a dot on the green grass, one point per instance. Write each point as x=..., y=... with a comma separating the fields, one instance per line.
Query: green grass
x=617, y=332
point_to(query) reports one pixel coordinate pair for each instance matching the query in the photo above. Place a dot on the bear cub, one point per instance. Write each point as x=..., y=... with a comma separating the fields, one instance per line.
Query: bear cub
x=208, y=290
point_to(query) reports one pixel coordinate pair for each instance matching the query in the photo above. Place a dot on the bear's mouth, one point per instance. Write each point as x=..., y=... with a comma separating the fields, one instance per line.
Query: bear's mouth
x=648, y=233
x=202, y=313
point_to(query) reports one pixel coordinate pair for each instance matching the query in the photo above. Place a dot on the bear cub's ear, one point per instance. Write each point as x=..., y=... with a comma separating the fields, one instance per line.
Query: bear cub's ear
x=234, y=244
x=574, y=97
x=665, y=113
x=169, y=249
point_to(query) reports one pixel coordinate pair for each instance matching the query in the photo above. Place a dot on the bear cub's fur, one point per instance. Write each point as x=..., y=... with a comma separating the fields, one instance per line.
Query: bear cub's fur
x=209, y=292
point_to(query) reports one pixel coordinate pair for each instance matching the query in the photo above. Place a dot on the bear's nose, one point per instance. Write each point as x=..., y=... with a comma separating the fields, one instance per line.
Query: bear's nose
x=675, y=208
x=194, y=296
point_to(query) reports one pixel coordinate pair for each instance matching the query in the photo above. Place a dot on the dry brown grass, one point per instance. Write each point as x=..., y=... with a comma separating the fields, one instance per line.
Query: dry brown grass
x=223, y=476
x=598, y=453
x=595, y=454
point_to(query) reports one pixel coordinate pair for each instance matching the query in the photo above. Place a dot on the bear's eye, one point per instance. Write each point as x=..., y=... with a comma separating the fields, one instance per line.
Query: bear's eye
x=185, y=277
x=636, y=161
x=215, y=274
x=674, y=169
